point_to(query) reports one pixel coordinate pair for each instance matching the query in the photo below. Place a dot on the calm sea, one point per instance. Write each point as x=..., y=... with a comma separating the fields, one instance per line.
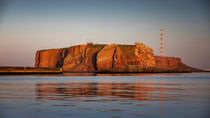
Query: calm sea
x=180, y=95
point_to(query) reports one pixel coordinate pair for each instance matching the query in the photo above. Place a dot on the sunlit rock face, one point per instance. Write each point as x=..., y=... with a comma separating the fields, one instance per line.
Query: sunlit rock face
x=167, y=62
x=52, y=58
x=144, y=55
x=125, y=58
x=108, y=58
x=75, y=59
x=105, y=58
x=172, y=64
x=82, y=58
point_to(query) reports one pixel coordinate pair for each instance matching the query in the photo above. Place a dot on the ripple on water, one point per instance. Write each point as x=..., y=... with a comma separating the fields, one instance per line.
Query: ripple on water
x=112, y=97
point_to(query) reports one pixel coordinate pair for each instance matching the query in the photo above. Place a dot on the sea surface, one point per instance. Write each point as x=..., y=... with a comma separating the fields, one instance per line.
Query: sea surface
x=178, y=95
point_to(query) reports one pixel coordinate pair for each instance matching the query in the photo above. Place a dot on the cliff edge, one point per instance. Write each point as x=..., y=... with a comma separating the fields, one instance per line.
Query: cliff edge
x=109, y=58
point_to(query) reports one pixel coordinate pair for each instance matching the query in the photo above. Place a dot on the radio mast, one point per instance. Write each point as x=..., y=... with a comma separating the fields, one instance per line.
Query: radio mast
x=161, y=38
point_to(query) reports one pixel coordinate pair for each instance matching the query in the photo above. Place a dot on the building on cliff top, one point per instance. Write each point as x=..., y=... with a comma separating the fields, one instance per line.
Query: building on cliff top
x=89, y=43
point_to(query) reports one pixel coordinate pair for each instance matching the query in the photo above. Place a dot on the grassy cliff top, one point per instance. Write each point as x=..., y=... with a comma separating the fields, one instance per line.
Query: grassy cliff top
x=97, y=45
x=91, y=46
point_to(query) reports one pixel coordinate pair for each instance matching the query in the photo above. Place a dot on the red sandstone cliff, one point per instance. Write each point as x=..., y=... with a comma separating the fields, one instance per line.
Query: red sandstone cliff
x=172, y=64
x=109, y=58
x=125, y=58
x=82, y=58
x=52, y=58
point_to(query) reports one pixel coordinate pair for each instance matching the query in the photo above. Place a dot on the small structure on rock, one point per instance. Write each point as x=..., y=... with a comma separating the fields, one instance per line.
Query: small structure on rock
x=89, y=43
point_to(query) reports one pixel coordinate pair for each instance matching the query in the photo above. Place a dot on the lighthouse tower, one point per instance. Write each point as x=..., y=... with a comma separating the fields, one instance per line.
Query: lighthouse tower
x=161, y=46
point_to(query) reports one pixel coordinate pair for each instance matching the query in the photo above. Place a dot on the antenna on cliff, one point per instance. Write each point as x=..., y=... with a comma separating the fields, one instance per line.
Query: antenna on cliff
x=161, y=38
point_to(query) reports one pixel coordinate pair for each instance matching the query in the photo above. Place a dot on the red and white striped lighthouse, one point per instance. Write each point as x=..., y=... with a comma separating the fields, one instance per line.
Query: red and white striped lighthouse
x=161, y=38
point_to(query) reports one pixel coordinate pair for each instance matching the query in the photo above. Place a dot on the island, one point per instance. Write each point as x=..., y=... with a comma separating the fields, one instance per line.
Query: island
x=109, y=58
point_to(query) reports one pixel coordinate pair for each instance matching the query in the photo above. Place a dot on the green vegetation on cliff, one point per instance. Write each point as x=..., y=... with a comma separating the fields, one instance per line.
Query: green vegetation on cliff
x=128, y=50
x=96, y=46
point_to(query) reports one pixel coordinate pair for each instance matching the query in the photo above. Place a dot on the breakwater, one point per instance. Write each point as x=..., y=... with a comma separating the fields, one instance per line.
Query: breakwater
x=29, y=70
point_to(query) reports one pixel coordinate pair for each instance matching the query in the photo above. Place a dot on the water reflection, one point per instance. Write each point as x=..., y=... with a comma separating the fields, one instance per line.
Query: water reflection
x=121, y=91
x=137, y=94
x=105, y=97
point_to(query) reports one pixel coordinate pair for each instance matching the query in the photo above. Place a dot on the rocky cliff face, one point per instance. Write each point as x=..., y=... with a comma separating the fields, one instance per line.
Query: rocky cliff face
x=167, y=62
x=82, y=58
x=125, y=58
x=52, y=58
x=108, y=58
x=171, y=64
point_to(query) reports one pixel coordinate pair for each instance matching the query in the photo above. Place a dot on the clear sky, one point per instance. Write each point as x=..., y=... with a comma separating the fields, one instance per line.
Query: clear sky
x=30, y=25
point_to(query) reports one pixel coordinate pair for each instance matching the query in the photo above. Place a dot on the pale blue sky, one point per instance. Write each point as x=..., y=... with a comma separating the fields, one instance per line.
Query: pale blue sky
x=30, y=25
